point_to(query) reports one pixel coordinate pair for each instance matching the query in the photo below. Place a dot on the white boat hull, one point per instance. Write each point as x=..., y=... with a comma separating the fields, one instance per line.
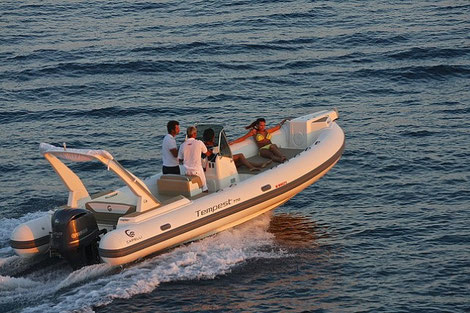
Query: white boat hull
x=118, y=247
x=148, y=231
x=32, y=238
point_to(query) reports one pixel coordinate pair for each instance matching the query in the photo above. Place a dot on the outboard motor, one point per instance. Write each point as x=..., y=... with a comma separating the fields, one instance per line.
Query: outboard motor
x=75, y=236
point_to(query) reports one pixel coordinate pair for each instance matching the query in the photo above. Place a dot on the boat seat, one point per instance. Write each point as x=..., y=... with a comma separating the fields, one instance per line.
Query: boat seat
x=174, y=185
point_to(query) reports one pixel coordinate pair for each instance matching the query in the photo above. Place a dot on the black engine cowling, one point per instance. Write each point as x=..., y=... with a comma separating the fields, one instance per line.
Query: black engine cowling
x=75, y=236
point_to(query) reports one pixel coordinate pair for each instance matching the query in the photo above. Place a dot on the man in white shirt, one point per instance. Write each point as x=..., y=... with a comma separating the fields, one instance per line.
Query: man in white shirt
x=190, y=152
x=170, y=150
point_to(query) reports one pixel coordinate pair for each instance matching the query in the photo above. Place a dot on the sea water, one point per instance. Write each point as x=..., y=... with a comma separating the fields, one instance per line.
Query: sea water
x=386, y=230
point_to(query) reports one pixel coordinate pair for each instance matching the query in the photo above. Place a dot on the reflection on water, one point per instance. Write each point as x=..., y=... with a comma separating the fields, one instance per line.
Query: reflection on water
x=296, y=231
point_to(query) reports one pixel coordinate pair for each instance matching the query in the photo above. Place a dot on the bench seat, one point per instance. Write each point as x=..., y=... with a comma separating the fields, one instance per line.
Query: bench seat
x=174, y=185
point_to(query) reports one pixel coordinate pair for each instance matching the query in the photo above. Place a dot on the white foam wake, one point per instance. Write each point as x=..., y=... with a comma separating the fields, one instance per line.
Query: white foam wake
x=8, y=283
x=98, y=285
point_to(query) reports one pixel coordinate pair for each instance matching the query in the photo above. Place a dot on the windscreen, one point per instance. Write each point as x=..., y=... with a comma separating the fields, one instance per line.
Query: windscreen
x=219, y=138
x=224, y=148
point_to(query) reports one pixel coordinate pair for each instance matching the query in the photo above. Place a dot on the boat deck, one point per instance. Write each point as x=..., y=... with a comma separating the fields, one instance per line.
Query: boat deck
x=289, y=153
x=244, y=173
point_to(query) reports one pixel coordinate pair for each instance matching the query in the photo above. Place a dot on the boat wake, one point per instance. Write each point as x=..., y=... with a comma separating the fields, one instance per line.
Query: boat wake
x=56, y=288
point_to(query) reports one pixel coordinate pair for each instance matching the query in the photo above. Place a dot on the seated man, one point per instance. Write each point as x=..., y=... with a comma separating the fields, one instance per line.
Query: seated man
x=239, y=158
x=190, y=153
x=208, y=137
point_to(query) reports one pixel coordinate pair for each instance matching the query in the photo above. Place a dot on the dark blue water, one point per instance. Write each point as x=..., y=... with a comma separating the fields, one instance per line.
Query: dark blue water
x=387, y=230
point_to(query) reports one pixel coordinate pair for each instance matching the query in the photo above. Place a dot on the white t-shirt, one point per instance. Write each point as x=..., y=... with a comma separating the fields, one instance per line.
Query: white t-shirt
x=169, y=142
x=190, y=152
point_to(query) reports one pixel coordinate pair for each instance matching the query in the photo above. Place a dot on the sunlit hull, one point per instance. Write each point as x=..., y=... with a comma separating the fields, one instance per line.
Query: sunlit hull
x=139, y=234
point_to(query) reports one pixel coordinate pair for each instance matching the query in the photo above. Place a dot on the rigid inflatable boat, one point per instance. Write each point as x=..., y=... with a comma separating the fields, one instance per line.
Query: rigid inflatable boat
x=147, y=216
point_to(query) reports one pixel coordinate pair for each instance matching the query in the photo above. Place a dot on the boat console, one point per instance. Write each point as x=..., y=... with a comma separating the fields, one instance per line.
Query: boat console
x=221, y=171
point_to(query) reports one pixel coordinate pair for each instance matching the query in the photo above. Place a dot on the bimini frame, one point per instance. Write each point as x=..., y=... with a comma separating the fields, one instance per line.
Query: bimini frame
x=78, y=191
